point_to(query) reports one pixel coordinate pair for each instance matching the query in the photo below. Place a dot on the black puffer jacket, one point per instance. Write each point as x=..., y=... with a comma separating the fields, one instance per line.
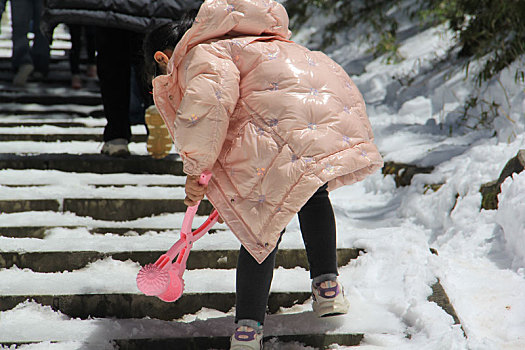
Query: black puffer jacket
x=135, y=15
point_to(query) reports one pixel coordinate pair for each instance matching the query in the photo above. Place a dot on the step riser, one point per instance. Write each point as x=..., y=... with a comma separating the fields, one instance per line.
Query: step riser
x=37, y=124
x=49, y=100
x=105, y=209
x=139, y=306
x=40, y=231
x=62, y=137
x=17, y=206
x=318, y=341
x=93, y=163
x=48, y=111
x=198, y=259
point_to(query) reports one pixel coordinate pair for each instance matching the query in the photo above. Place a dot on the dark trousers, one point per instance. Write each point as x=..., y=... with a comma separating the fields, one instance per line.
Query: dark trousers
x=117, y=51
x=75, y=31
x=22, y=13
x=253, y=282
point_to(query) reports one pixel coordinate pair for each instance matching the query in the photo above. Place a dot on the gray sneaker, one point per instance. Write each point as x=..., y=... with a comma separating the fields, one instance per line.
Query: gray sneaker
x=246, y=338
x=116, y=148
x=329, y=299
x=22, y=74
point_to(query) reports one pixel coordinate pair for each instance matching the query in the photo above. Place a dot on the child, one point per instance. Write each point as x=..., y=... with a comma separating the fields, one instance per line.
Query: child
x=278, y=125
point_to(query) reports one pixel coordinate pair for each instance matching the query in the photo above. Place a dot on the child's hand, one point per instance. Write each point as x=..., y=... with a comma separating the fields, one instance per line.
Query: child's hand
x=220, y=220
x=194, y=191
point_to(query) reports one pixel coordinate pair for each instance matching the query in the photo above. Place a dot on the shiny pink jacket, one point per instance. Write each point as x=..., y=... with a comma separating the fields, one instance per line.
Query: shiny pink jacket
x=271, y=119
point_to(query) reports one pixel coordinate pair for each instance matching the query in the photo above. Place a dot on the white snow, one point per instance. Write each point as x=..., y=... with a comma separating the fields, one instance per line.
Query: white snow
x=511, y=218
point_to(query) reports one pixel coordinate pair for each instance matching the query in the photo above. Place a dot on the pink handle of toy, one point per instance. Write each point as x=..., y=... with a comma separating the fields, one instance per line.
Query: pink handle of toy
x=195, y=235
x=191, y=211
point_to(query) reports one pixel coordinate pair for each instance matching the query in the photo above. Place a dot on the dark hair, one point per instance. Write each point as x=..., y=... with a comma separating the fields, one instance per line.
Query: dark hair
x=164, y=37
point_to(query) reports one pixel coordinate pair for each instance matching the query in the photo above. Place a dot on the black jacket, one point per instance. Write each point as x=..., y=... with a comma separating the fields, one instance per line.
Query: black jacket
x=135, y=15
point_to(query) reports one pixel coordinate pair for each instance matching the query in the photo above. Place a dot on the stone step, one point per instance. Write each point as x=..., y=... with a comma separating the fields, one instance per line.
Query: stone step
x=95, y=185
x=114, y=209
x=198, y=259
x=47, y=98
x=93, y=163
x=317, y=341
x=60, y=78
x=41, y=231
x=42, y=123
x=210, y=333
x=13, y=109
x=129, y=305
x=62, y=137
x=138, y=306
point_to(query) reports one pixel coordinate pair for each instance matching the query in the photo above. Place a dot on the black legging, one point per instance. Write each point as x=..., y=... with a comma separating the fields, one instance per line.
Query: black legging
x=253, y=283
x=117, y=51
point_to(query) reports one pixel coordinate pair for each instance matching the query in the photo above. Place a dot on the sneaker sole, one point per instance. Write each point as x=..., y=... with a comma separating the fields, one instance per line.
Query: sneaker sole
x=119, y=154
x=328, y=308
x=159, y=141
x=240, y=346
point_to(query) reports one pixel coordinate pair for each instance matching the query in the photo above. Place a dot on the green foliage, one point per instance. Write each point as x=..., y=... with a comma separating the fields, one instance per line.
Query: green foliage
x=488, y=32
x=484, y=115
x=493, y=31
x=486, y=29
x=345, y=14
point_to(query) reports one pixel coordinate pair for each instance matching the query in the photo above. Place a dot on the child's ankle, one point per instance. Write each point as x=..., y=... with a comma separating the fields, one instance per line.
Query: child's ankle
x=327, y=277
x=250, y=325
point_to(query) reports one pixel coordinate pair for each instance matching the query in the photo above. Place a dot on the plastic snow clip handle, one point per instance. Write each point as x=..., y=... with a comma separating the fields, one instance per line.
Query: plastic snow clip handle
x=191, y=211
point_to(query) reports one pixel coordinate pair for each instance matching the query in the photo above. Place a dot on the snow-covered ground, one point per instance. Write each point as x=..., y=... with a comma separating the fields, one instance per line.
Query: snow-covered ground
x=481, y=261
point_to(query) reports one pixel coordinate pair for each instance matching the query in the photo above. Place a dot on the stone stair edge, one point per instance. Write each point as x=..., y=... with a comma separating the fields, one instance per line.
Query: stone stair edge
x=61, y=261
x=93, y=163
x=39, y=232
x=319, y=341
x=62, y=137
x=138, y=306
x=115, y=209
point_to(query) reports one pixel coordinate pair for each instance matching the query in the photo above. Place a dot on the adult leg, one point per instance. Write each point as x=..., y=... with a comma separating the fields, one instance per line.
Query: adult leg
x=40, y=49
x=317, y=222
x=75, y=31
x=137, y=103
x=89, y=34
x=113, y=66
x=20, y=16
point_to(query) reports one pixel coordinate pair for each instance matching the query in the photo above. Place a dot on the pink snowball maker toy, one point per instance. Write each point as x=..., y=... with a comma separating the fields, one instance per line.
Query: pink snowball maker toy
x=163, y=279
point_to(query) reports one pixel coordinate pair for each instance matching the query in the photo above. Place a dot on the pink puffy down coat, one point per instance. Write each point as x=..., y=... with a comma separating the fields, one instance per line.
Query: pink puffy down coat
x=271, y=119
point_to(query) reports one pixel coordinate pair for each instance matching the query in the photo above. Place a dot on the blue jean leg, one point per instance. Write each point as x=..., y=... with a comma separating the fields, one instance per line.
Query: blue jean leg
x=40, y=49
x=22, y=12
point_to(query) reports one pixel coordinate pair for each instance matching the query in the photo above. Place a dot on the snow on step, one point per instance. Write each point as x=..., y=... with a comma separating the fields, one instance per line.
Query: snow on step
x=70, y=147
x=32, y=119
x=31, y=322
x=83, y=191
x=117, y=277
x=52, y=219
x=93, y=163
x=13, y=177
x=80, y=239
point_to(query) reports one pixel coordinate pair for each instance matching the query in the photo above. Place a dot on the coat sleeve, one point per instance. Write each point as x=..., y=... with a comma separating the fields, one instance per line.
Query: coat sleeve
x=210, y=85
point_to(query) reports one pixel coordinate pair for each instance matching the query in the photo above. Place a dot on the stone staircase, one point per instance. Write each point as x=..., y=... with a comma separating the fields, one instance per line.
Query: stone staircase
x=75, y=226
